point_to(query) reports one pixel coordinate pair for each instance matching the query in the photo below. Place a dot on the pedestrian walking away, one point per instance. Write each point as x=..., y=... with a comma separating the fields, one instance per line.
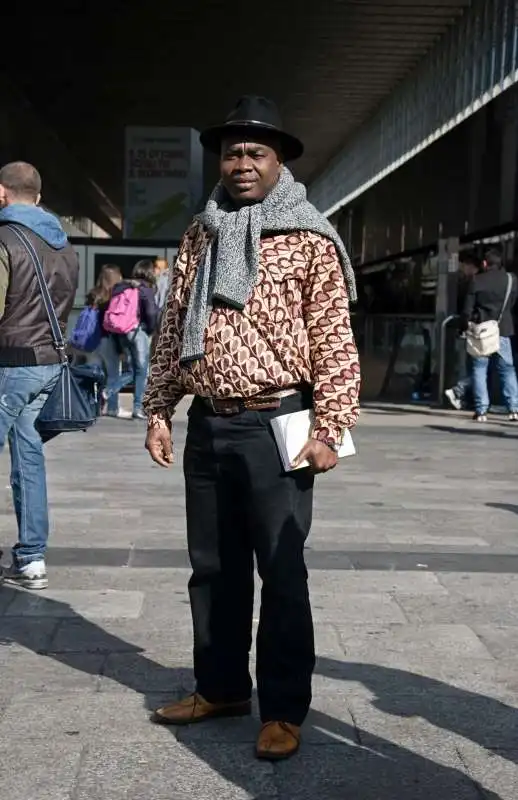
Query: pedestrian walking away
x=29, y=363
x=108, y=352
x=131, y=318
x=256, y=325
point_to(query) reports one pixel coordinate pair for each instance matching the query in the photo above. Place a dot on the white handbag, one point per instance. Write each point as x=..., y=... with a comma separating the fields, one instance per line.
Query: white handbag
x=483, y=338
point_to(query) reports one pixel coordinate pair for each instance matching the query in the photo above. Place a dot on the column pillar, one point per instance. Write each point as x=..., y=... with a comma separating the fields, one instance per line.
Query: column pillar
x=478, y=140
x=508, y=120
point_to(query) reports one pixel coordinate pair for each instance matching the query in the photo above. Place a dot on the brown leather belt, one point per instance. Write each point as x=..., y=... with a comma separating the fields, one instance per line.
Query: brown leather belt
x=236, y=405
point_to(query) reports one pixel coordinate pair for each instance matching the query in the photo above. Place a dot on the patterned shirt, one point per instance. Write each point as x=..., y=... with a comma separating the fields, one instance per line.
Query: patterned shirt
x=294, y=329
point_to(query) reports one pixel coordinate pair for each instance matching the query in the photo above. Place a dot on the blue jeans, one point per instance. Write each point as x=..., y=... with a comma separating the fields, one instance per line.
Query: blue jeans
x=108, y=355
x=463, y=386
x=136, y=346
x=506, y=372
x=23, y=392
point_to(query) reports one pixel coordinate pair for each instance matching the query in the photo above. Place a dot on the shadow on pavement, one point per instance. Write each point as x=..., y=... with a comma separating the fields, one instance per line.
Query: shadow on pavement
x=360, y=764
x=478, y=431
x=403, y=410
x=480, y=719
x=504, y=507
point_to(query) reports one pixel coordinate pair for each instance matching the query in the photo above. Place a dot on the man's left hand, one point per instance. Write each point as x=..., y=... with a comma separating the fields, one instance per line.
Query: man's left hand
x=321, y=458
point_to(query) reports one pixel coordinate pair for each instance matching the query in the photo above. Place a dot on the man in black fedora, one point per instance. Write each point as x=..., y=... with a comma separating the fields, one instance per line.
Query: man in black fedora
x=256, y=326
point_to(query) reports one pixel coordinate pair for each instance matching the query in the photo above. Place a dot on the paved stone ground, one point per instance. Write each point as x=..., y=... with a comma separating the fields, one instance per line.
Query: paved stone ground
x=414, y=575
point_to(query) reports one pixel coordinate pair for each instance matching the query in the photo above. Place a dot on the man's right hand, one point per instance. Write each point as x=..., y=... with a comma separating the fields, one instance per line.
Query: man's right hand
x=158, y=442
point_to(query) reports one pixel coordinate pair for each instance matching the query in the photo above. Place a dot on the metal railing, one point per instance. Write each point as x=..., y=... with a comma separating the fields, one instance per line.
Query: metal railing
x=380, y=339
x=441, y=366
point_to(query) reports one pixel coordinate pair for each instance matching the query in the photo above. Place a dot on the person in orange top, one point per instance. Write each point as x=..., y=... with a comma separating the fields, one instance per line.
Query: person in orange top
x=256, y=325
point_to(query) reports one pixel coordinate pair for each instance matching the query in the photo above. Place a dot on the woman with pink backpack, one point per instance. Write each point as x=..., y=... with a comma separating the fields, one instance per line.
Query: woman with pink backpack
x=131, y=317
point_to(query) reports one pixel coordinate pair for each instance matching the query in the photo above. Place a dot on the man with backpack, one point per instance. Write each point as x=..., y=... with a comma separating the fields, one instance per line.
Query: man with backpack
x=131, y=317
x=91, y=345
x=29, y=363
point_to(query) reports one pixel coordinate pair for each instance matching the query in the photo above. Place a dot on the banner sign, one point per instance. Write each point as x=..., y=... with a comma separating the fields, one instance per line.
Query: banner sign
x=163, y=181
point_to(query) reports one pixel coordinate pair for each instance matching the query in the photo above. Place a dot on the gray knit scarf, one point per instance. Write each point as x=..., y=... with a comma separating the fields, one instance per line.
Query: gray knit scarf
x=228, y=271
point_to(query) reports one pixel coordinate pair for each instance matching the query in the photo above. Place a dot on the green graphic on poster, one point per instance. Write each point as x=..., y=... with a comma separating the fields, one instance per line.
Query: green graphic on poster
x=163, y=181
x=149, y=224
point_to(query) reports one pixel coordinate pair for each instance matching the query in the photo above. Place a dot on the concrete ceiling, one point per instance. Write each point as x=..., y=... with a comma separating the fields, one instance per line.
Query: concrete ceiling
x=91, y=68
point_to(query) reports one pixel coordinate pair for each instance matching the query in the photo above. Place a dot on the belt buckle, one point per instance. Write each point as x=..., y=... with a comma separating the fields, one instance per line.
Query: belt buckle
x=233, y=409
x=224, y=410
x=264, y=403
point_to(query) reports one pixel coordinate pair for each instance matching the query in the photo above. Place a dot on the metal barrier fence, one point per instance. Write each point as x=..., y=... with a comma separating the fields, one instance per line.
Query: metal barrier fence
x=441, y=385
x=397, y=353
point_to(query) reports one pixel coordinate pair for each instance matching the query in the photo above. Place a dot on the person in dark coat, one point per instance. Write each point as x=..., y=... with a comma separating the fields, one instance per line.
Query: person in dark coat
x=485, y=301
x=460, y=396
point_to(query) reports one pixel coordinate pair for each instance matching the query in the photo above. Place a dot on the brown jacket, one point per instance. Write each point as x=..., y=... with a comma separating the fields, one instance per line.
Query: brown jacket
x=25, y=334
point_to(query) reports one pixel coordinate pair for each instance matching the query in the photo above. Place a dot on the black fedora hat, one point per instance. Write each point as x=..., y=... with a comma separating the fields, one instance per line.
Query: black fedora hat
x=253, y=114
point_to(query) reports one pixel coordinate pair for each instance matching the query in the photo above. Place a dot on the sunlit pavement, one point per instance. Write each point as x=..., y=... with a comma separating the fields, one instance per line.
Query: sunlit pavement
x=413, y=564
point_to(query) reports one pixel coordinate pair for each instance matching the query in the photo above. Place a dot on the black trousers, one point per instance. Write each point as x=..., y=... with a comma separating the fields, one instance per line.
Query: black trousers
x=240, y=502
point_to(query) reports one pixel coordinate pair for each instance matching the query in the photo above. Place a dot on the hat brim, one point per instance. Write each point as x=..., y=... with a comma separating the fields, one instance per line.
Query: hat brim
x=292, y=148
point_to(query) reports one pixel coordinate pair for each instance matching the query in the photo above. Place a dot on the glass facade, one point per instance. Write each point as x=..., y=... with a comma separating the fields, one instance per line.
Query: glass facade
x=473, y=63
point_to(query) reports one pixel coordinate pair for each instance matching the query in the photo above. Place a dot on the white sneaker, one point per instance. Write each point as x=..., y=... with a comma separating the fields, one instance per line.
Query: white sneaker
x=31, y=576
x=121, y=414
x=455, y=401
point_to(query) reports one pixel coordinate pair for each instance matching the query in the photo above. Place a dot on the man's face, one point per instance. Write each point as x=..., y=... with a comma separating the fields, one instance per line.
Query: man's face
x=160, y=266
x=249, y=170
x=3, y=197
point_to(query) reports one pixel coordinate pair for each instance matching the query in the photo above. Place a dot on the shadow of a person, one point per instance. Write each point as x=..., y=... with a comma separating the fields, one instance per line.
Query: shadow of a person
x=344, y=769
x=513, y=509
x=486, y=721
x=480, y=431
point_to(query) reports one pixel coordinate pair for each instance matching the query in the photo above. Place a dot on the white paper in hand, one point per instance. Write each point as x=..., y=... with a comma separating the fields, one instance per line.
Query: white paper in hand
x=292, y=431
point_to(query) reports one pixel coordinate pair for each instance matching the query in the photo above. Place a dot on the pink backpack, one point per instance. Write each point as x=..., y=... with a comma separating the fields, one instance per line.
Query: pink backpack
x=122, y=314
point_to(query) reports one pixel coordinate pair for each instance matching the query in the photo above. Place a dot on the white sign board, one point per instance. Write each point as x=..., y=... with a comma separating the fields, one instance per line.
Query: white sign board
x=163, y=181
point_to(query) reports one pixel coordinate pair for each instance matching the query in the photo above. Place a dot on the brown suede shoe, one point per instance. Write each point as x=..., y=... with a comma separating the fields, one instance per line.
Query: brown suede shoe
x=196, y=709
x=278, y=740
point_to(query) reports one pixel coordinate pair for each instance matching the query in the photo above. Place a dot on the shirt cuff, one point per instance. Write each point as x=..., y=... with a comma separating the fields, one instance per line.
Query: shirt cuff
x=328, y=432
x=158, y=405
x=158, y=415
